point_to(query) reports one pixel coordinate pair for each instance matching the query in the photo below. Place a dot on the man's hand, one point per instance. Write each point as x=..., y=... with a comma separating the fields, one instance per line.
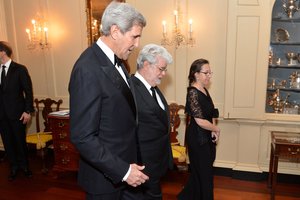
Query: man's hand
x=136, y=176
x=25, y=117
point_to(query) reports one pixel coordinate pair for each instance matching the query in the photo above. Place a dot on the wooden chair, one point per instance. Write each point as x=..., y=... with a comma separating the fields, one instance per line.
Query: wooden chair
x=179, y=151
x=42, y=140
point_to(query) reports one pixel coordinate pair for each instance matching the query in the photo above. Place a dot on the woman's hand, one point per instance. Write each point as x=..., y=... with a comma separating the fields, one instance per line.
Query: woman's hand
x=215, y=136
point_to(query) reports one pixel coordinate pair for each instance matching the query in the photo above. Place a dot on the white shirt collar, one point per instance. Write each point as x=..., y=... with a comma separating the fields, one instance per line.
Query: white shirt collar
x=148, y=86
x=141, y=78
x=108, y=52
x=7, y=64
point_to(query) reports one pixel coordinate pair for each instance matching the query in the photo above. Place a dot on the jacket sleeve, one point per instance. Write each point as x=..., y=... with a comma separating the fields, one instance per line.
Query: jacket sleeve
x=27, y=88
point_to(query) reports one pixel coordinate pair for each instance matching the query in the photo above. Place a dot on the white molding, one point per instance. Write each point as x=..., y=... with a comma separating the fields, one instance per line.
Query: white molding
x=224, y=164
x=247, y=167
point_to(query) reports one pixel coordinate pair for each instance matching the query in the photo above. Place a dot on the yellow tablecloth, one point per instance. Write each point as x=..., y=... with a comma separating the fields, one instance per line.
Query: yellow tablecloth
x=179, y=152
x=39, y=139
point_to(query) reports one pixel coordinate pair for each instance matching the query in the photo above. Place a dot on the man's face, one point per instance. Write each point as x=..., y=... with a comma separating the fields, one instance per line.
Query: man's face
x=128, y=41
x=2, y=53
x=156, y=71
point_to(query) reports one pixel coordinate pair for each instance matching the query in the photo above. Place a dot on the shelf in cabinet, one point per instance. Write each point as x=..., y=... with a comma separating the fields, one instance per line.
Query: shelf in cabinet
x=284, y=89
x=285, y=66
x=286, y=20
x=285, y=43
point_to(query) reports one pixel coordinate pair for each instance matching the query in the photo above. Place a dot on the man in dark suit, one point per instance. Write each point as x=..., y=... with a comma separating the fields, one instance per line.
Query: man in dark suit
x=103, y=110
x=153, y=129
x=16, y=104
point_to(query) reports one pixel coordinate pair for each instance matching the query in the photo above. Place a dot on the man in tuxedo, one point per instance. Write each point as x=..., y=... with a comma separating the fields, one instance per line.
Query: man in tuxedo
x=16, y=104
x=103, y=116
x=154, y=119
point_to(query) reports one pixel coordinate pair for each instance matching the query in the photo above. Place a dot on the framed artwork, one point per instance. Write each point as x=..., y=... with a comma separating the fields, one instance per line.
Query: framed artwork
x=94, y=11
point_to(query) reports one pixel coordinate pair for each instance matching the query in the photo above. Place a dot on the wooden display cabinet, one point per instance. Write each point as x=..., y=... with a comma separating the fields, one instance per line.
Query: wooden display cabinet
x=66, y=157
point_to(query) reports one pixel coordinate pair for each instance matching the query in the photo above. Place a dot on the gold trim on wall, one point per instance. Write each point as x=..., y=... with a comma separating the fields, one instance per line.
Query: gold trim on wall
x=95, y=7
x=88, y=21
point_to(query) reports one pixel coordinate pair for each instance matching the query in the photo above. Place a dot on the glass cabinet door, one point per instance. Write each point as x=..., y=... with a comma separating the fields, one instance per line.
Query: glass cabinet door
x=283, y=90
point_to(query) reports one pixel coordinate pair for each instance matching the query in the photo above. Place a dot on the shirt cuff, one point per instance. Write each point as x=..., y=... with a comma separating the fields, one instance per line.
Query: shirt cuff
x=127, y=174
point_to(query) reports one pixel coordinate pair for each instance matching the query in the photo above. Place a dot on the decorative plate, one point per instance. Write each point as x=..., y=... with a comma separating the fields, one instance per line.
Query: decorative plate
x=282, y=35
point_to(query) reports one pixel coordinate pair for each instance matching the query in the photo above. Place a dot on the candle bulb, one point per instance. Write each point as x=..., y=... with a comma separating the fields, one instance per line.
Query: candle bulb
x=40, y=35
x=34, y=26
x=176, y=17
x=29, y=35
x=191, y=23
x=164, y=27
x=46, y=34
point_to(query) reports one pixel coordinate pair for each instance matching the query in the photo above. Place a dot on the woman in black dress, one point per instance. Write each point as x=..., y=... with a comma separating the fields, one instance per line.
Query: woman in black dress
x=202, y=134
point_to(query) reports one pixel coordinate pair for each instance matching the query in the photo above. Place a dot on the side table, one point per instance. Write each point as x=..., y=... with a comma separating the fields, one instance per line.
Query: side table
x=283, y=145
x=66, y=157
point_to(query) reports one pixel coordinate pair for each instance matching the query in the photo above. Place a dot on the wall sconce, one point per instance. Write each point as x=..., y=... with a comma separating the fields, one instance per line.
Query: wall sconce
x=177, y=38
x=38, y=35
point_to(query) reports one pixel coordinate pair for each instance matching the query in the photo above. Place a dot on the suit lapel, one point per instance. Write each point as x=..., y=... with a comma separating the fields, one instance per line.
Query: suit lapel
x=165, y=103
x=11, y=68
x=148, y=99
x=132, y=87
x=113, y=74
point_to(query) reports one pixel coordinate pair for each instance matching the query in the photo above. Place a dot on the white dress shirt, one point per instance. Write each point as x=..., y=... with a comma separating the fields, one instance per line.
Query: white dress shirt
x=7, y=64
x=148, y=86
x=110, y=54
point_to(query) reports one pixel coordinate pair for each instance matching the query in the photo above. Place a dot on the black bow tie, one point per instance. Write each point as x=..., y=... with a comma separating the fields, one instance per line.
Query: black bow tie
x=118, y=61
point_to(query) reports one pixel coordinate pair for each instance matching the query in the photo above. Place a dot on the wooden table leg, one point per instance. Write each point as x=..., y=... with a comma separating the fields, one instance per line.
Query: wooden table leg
x=42, y=153
x=271, y=170
x=274, y=177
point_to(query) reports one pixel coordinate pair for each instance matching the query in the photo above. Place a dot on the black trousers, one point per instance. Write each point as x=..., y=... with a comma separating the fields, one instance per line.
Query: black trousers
x=130, y=193
x=13, y=133
x=152, y=189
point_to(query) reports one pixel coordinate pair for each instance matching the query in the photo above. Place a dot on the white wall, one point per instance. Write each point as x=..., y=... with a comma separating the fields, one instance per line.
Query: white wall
x=244, y=144
x=49, y=68
x=209, y=29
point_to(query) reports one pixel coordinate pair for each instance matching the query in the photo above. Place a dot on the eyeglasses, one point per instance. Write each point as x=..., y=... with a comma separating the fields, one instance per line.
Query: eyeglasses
x=161, y=69
x=207, y=73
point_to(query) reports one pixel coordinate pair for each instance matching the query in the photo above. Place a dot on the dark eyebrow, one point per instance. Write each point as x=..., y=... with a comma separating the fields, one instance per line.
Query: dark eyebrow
x=136, y=36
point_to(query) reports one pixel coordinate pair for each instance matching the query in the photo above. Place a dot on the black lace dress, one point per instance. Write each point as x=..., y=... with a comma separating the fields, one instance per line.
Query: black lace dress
x=201, y=149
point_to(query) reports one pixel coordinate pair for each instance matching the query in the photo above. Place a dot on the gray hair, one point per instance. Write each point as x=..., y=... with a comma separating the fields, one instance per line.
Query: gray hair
x=150, y=52
x=123, y=15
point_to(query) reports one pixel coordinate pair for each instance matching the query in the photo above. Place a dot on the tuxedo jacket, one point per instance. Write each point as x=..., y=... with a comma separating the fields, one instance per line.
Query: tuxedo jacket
x=102, y=122
x=16, y=96
x=153, y=131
